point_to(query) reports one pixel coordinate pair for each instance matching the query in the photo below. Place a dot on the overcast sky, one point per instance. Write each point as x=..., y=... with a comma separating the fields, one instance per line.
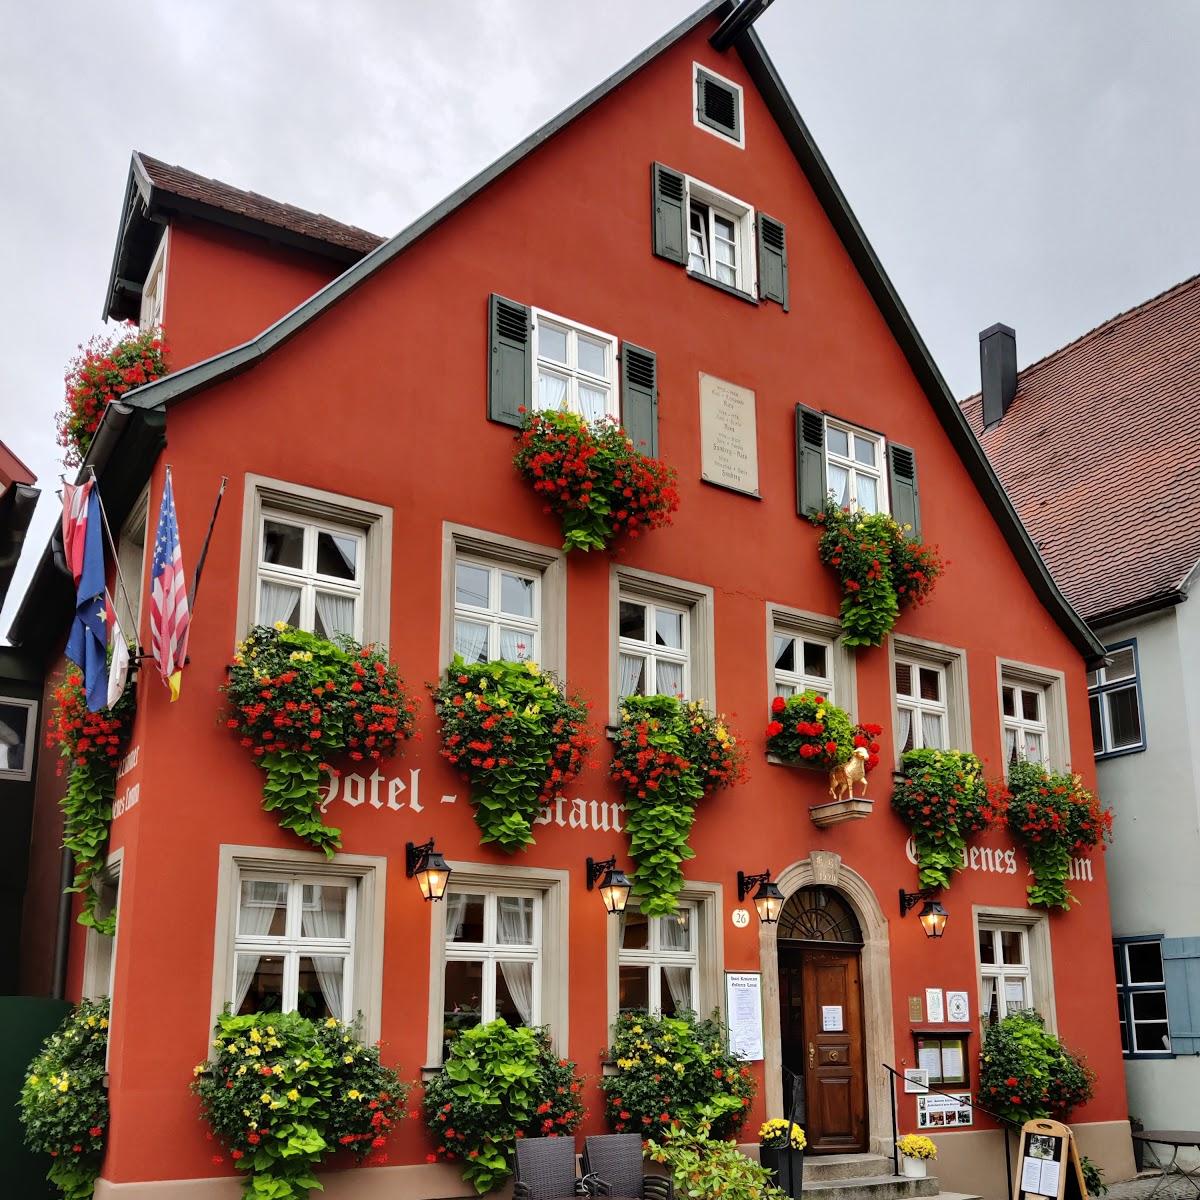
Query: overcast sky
x=1035, y=162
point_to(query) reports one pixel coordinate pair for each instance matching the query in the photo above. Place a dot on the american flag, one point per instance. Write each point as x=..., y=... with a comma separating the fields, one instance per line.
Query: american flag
x=169, y=618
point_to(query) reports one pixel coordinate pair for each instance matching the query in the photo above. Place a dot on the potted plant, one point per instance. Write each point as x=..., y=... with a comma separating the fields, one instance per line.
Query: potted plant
x=702, y=1163
x=916, y=1150
x=781, y=1150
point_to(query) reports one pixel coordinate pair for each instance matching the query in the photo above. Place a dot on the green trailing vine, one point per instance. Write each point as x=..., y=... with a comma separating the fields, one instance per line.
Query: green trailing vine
x=883, y=570
x=91, y=745
x=944, y=799
x=298, y=701
x=668, y=754
x=1055, y=818
x=516, y=736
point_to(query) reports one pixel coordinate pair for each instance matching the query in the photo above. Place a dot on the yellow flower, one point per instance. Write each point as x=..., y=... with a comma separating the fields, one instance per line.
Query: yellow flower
x=103, y=1022
x=281, y=625
x=348, y=1059
x=659, y=1061
x=33, y=1081
x=532, y=668
x=63, y=1085
x=637, y=1029
x=255, y=1036
x=198, y=1069
x=91, y=1022
x=293, y=1095
x=265, y=1097
x=678, y=1068
x=241, y=1070
x=353, y=1094
x=330, y=1022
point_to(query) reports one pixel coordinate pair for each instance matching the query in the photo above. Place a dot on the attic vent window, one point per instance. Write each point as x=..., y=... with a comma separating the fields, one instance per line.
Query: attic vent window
x=718, y=105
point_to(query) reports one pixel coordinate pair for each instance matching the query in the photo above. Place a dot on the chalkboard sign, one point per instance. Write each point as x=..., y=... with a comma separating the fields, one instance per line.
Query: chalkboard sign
x=1048, y=1167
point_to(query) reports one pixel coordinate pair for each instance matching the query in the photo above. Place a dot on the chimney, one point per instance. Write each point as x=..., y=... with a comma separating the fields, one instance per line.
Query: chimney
x=997, y=371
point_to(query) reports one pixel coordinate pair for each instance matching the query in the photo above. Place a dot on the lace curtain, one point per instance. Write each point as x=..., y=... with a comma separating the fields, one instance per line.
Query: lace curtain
x=631, y=676
x=323, y=922
x=335, y=614
x=254, y=919
x=514, y=927
x=277, y=602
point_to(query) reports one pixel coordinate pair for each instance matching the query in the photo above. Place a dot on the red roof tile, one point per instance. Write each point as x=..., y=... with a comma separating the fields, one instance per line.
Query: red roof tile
x=1100, y=454
x=181, y=182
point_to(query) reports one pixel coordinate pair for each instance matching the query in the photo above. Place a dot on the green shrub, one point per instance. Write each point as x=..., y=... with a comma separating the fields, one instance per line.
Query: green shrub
x=704, y=1168
x=1027, y=1074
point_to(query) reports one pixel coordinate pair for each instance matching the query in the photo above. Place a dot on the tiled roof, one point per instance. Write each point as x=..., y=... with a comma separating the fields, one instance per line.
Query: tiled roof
x=1100, y=454
x=180, y=182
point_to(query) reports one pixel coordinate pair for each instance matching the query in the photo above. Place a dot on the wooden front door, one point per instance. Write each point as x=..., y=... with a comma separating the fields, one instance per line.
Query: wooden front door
x=820, y=993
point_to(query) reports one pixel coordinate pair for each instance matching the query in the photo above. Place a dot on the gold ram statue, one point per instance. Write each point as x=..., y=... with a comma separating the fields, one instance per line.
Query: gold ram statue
x=844, y=776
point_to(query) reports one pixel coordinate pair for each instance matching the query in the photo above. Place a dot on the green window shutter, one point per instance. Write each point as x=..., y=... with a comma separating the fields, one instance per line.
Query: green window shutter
x=639, y=397
x=811, y=488
x=1181, y=970
x=667, y=217
x=510, y=374
x=772, y=260
x=902, y=480
x=718, y=105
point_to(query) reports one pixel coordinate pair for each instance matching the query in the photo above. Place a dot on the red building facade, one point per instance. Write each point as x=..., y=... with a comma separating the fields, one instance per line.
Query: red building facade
x=361, y=420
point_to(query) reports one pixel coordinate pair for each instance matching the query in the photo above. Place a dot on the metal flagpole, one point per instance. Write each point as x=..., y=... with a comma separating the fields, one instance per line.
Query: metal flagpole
x=204, y=548
x=112, y=546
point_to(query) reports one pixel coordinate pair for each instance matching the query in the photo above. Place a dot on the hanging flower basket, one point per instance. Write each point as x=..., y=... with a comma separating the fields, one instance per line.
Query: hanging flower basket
x=91, y=745
x=103, y=371
x=516, y=736
x=944, y=799
x=298, y=701
x=1055, y=818
x=882, y=570
x=668, y=755
x=593, y=477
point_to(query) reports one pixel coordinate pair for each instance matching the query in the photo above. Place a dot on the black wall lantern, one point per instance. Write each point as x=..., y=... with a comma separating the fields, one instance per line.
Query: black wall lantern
x=933, y=916
x=614, y=886
x=428, y=867
x=768, y=899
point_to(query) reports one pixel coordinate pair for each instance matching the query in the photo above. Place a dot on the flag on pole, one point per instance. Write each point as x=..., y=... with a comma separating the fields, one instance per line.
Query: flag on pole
x=88, y=639
x=118, y=659
x=169, y=618
x=74, y=524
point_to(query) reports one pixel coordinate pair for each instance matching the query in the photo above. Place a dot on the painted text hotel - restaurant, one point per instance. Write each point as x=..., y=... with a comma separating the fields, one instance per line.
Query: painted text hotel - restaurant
x=360, y=395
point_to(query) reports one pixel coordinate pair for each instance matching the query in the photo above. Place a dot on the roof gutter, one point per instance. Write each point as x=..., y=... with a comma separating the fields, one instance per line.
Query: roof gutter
x=1140, y=608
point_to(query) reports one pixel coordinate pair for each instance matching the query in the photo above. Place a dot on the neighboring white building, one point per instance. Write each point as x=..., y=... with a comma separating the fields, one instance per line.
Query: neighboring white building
x=1098, y=446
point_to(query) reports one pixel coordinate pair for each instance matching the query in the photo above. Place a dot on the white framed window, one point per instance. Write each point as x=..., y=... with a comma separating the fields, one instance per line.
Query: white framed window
x=654, y=648
x=717, y=105
x=99, y=949
x=801, y=662
x=1005, y=975
x=497, y=611
x=720, y=237
x=154, y=289
x=131, y=559
x=310, y=574
x=574, y=367
x=1115, y=701
x=1142, y=997
x=855, y=467
x=658, y=962
x=293, y=946
x=921, y=707
x=492, y=960
x=18, y=737
x=1026, y=735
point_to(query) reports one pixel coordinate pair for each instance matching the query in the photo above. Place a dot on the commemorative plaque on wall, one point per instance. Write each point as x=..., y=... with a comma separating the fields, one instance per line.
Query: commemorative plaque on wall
x=728, y=435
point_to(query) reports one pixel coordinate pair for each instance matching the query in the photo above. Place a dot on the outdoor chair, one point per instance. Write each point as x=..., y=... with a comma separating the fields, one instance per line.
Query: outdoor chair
x=613, y=1168
x=546, y=1169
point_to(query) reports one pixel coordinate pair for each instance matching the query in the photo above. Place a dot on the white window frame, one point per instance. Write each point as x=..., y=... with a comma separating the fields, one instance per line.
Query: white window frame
x=695, y=600
x=504, y=553
x=1002, y=973
x=648, y=652
x=785, y=621
x=917, y=707
x=951, y=661
x=298, y=504
x=100, y=950
x=801, y=681
x=490, y=952
x=740, y=141
x=492, y=616
x=655, y=956
x=1127, y=990
x=741, y=215
x=1052, y=725
x=854, y=468
x=1038, y=967
x=1101, y=689
x=25, y=770
x=131, y=557
x=366, y=877
x=553, y=887
x=1019, y=727
x=571, y=372
x=154, y=290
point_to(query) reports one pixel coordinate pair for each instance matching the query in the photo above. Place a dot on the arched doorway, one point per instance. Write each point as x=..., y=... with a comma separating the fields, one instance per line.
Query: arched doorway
x=834, y=914
x=821, y=1017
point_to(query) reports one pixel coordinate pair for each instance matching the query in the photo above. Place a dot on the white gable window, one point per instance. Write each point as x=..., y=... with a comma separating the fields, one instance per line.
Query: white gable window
x=720, y=237
x=854, y=467
x=574, y=367
x=1024, y=723
x=153, y=290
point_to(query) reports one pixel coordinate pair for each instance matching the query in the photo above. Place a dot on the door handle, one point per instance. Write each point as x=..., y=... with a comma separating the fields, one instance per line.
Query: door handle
x=812, y=1054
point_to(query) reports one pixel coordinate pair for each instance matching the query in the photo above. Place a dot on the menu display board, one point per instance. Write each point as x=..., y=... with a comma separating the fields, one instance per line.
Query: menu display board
x=1048, y=1167
x=743, y=1008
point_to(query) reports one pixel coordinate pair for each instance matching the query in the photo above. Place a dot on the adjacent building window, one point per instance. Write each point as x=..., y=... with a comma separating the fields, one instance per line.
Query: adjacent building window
x=923, y=720
x=855, y=467
x=154, y=288
x=658, y=962
x=720, y=237
x=1004, y=971
x=801, y=662
x=1142, y=997
x=1025, y=730
x=18, y=737
x=100, y=950
x=654, y=656
x=492, y=958
x=497, y=612
x=1115, y=699
x=717, y=106
x=575, y=368
x=294, y=945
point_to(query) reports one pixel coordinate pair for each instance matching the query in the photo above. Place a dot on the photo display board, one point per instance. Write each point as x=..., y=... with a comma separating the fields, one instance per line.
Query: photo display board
x=1048, y=1166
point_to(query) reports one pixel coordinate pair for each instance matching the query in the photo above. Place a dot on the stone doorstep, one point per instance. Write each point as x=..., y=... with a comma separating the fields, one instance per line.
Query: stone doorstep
x=846, y=1166
x=871, y=1187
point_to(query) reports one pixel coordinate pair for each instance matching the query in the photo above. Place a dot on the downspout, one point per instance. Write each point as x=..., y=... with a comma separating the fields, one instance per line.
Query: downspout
x=62, y=937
